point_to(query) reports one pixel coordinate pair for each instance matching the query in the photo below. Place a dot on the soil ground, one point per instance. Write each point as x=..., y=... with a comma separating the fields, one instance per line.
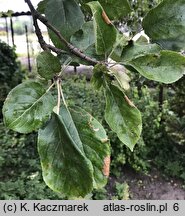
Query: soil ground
x=152, y=186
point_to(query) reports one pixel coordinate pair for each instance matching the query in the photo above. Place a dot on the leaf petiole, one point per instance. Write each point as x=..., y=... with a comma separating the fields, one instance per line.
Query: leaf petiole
x=61, y=93
x=59, y=96
x=51, y=86
x=65, y=66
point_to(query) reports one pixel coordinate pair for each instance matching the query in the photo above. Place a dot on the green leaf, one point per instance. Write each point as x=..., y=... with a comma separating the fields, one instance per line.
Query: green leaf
x=121, y=42
x=74, y=151
x=105, y=32
x=27, y=107
x=84, y=37
x=121, y=77
x=115, y=9
x=48, y=65
x=165, y=24
x=42, y=6
x=95, y=143
x=91, y=52
x=166, y=67
x=66, y=16
x=142, y=40
x=135, y=50
x=64, y=166
x=122, y=116
x=97, y=77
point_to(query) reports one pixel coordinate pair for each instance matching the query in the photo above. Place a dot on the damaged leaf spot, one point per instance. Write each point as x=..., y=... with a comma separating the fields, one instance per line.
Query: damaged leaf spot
x=96, y=129
x=105, y=18
x=104, y=140
x=106, y=167
x=130, y=103
x=91, y=125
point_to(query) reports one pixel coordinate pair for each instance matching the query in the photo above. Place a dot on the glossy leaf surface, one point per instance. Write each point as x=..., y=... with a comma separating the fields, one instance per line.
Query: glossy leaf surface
x=85, y=37
x=136, y=50
x=64, y=165
x=166, y=67
x=165, y=24
x=95, y=143
x=122, y=116
x=74, y=151
x=47, y=65
x=66, y=16
x=115, y=9
x=105, y=34
x=27, y=107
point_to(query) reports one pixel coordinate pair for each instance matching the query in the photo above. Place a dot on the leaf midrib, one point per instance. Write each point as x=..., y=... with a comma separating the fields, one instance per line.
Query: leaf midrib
x=121, y=115
x=27, y=110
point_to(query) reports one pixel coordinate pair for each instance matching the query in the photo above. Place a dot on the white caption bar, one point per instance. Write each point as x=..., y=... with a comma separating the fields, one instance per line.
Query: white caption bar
x=92, y=207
